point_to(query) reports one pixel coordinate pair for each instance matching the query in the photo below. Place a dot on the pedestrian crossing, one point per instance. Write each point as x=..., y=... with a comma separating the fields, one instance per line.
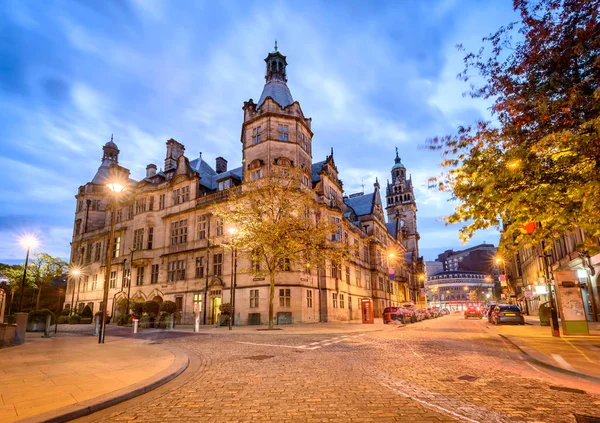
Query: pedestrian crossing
x=310, y=346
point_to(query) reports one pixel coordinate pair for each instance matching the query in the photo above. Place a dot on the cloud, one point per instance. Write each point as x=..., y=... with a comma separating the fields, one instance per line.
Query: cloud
x=372, y=78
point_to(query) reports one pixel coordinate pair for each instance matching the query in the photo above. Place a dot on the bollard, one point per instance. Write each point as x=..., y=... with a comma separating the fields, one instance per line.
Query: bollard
x=47, y=328
x=171, y=322
x=197, y=324
x=135, y=325
x=97, y=326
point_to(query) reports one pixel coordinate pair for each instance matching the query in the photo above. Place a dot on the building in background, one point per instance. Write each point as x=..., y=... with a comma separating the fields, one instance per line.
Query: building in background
x=168, y=244
x=455, y=289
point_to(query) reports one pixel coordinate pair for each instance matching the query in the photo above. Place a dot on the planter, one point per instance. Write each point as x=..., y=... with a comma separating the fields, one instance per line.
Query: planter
x=7, y=335
x=85, y=320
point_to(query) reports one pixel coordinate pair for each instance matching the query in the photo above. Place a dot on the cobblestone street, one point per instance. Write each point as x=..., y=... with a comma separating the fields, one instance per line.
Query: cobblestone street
x=443, y=370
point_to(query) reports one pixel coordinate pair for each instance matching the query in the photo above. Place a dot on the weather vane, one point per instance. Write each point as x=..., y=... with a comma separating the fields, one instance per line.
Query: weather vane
x=275, y=45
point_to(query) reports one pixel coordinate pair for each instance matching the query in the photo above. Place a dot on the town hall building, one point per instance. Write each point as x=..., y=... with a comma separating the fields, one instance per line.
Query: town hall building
x=169, y=245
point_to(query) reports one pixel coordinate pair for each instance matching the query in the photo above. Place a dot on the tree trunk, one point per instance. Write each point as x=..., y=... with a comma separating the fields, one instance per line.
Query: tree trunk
x=12, y=297
x=37, y=301
x=271, y=298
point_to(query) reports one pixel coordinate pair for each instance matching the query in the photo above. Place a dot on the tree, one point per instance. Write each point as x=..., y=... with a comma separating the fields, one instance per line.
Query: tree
x=279, y=224
x=14, y=274
x=45, y=268
x=539, y=161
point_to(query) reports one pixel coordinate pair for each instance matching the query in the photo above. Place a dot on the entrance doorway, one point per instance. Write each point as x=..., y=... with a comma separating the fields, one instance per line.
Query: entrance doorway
x=215, y=303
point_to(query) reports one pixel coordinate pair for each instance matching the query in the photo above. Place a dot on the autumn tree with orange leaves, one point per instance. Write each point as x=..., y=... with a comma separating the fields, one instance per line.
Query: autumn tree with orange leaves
x=538, y=160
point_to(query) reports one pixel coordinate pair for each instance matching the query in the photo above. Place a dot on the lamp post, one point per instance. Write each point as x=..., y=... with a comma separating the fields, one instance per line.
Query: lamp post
x=60, y=291
x=130, y=277
x=233, y=232
x=115, y=189
x=28, y=241
x=74, y=272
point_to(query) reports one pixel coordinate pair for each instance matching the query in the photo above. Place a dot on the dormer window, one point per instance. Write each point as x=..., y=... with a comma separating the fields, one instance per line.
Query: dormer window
x=282, y=131
x=223, y=185
x=256, y=135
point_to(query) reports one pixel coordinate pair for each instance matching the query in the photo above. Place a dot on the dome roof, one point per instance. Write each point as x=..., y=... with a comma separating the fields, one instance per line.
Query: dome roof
x=398, y=166
x=111, y=144
x=278, y=91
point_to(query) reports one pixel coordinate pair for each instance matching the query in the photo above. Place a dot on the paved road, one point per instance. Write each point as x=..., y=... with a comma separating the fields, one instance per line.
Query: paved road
x=443, y=370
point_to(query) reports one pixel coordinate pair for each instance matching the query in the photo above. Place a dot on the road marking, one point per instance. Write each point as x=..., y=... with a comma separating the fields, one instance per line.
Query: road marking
x=311, y=346
x=428, y=404
x=578, y=350
x=274, y=345
x=562, y=362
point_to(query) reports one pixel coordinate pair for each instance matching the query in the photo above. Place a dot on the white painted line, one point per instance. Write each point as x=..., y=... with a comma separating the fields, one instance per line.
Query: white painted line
x=428, y=404
x=338, y=341
x=329, y=343
x=562, y=362
x=274, y=345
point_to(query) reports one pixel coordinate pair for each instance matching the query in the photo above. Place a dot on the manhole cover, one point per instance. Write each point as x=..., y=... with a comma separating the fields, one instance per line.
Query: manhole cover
x=573, y=390
x=259, y=357
x=586, y=419
x=468, y=378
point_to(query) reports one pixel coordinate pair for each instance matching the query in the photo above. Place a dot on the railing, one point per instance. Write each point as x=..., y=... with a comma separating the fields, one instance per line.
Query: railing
x=217, y=196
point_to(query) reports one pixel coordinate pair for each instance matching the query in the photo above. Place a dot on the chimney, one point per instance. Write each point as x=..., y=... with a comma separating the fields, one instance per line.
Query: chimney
x=221, y=165
x=150, y=170
x=174, y=151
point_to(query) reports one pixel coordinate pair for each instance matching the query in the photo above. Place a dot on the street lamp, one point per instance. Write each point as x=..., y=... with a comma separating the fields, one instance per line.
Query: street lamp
x=28, y=241
x=233, y=232
x=130, y=278
x=115, y=188
x=75, y=272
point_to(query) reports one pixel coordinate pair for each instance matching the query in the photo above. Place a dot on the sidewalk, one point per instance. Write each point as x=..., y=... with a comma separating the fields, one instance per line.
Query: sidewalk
x=71, y=375
x=575, y=355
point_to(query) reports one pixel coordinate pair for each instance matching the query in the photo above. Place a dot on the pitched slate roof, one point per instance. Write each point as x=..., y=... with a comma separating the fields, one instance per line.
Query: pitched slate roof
x=234, y=173
x=391, y=227
x=206, y=172
x=278, y=91
x=362, y=204
x=316, y=168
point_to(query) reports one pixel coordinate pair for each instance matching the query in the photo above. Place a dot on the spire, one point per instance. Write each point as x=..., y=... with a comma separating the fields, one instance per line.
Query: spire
x=275, y=45
x=376, y=184
x=332, y=151
x=397, y=161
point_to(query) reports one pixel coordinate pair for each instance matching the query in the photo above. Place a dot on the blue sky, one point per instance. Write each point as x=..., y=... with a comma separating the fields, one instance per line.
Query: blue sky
x=372, y=75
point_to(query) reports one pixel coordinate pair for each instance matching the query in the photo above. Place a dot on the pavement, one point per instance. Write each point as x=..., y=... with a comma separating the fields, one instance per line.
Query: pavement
x=442, y=370
x=575, y=355
x=70, y=374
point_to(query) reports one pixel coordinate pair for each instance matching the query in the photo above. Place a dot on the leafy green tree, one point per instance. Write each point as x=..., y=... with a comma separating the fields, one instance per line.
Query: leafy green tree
x=14, y=274
x=45, y=268
x=279, y=224
x=539, y=160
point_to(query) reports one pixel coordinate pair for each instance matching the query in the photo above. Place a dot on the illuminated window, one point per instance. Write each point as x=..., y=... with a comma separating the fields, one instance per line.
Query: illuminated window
x=335, y=299
x=113, y=279
x=309, y=298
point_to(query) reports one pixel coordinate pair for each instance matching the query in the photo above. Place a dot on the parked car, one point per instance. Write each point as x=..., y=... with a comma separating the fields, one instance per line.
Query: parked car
x=507, y=314
x=473, y=311
x=408, y=314
x=431, y=313
x=392, y=315
x=436, y=311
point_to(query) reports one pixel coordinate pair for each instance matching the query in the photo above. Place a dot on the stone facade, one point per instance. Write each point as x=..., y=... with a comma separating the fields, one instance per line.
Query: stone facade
x=169, y=245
